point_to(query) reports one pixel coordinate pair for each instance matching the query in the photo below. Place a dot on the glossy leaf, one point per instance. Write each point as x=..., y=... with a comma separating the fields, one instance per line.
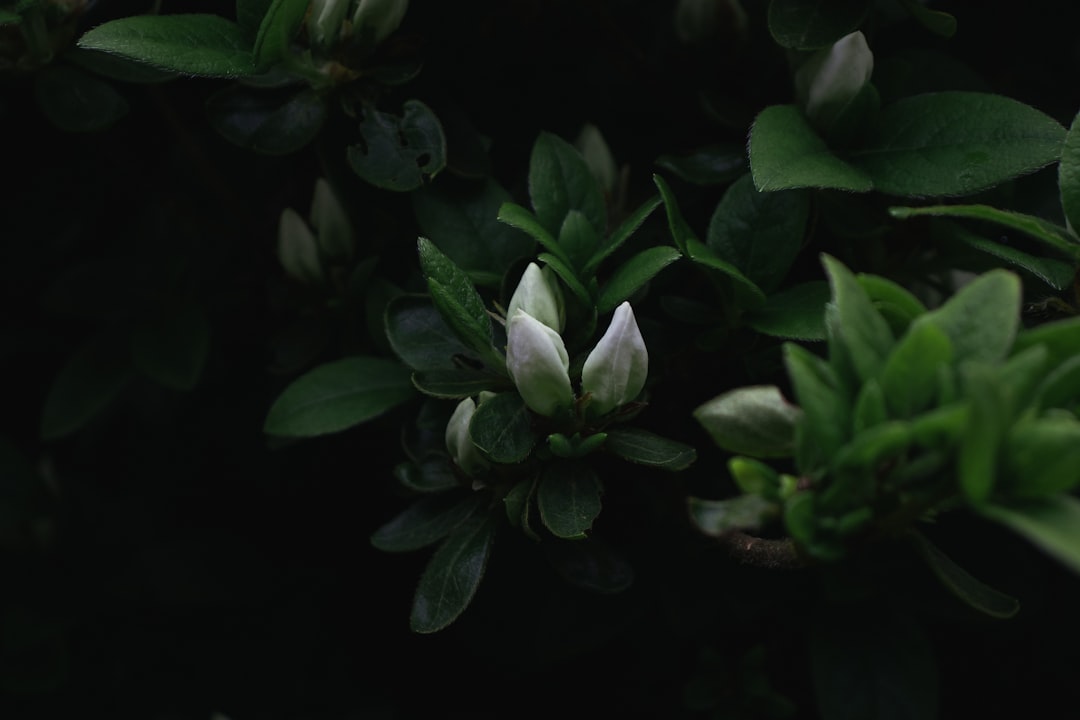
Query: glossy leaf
x=569, y=499
x=796, y=313
x=955, y=143
x=426, y=521
x=754, y=420
x=272, y=122
x=1052, y=524
x=338, y=395
x=633, y=274
x=453, y=574
x=808, y=24
x=646, y=448
x=195, y=44
x=962, y=584
x=560, y=181
x=399, y=153
x=456, y=298
x=786, y=152
x=501, y=428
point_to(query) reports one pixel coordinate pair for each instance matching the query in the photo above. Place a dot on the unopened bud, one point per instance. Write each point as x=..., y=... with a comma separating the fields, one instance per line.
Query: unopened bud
x=378, y=18
x=616, y=369
x=324, y=22
x=538, y=363
x=297, y=249
x=538, y=294
x=831, y=79
x=458, y=443
x=331, y=222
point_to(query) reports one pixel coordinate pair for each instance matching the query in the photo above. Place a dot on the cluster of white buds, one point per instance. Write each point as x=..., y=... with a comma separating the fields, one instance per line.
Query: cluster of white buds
x=305, y=248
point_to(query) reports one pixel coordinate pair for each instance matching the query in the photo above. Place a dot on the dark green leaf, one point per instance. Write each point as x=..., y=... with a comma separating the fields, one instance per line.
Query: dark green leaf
x=569, y=499
x=206, y=45
x=456, y=299
x=92, y=378
x=938, y=22
x=76, y=101
x=453, y=574
x=681, y=233
x=755, y=420
x=590, y=564
x=633, y=275
x=811, y=24
x=560, y=181
x=1044, y=231
x=700, y=253
x=501, y=428
x=427, y=521
x=962, y=584
x=711, y=165
x=568, y=276
x=1069, y=176
x=338, y=395
x=620, y=235
x=272, y=122
x=456, y=384
x=250, y=14
x=785, y=153
x=797, y=313
x=419, y=335
x=432, y=475
x=1060, y=387
x=872, y=664
x=116, y=67
x=719, y=517
x=171, y=347
x=465, y=225
x=955, y=143
x=1055, y=273
x=277, y=29
x=645, y=448
x=516, y=216
x=1052, y=524
x=399, y=153
x=759, y=233
x=578, y=238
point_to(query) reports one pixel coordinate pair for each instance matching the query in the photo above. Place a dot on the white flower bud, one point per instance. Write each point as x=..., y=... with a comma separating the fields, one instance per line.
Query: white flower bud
x=833, y=76
x=459, y=444
x=378, y=17
x=538, y=363
x=331, y=222
x=297, y=249
x=324, y=22
x=592, y=146
x=538, y=294
x=615, y=371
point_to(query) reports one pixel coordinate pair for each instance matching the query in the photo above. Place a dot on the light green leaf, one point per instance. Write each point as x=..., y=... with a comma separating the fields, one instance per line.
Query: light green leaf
x=982, y=436
x=981, y=320
x=569, y=499
x=1052, y=524
x=452, y=576
x=195, y=44
x=634, y=274
x=861, y=329
x=955, y=143
x=754, y=420
x=827, y=415
x=785, y=153
x=578, y=238
x=910, y=376
x=339, y=395
x=1043, y=455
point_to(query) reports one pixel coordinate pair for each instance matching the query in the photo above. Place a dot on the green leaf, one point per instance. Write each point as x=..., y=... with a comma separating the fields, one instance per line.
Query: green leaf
x=1043, y=455
x=872, y=664
x=279, y=26
x=1055, y=273
x=982, y=436
x=419, y=336
x=464, y=224
x=76, y=101
x=785, y=153
x=759, y=233
x=962, y=584
x=756, y=421
x=620, y=235
x=195, y=44
x=578, y=238
x=1069, y=176
x=910, y=376
x=1060, y=387
x=456, y=384
x=940, y=23
x=453, y=574
x=432, y=475
x=981, y=320
x=955, y=143
x=1061, y=338
x=501, y=428
x=90, y=380
x=250, y=14
x=870, y=409
x=680, y=230
x=634, y=274
x=116, y=67
x=861, y=329
x=796, y=313
x=1052, y=524
x=267, y=121
x=560, y=181
x=338, y=395
x=399, y=153
x=827, y=417
x=701, y=254
x=568, y=276
x=590, y=564
x=810, y=24
x=1044, y=231
x=427, y=521
x=569, y=499
x=895, y=303
x=719, y=517
x=456, y=299
x=646, y=448
x=516, y=216
x=710, y=165
x=171, y=347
